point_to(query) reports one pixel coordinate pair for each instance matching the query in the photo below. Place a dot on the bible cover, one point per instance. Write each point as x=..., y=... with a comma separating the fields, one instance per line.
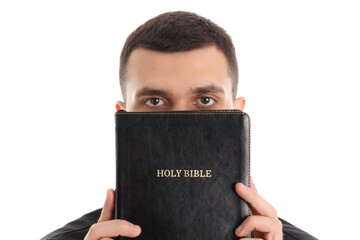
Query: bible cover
x=176, y=172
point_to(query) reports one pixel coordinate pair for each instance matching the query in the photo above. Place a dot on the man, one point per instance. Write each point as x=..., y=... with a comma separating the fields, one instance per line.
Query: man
x=179, y=61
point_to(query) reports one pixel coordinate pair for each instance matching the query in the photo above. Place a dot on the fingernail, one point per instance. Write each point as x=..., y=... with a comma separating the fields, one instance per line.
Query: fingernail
x=243, y=186
x=238, y=230
x=107, y=192
x=135, y=227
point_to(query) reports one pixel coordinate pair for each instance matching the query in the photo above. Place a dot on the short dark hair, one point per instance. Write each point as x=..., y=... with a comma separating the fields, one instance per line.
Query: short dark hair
x=176, y=32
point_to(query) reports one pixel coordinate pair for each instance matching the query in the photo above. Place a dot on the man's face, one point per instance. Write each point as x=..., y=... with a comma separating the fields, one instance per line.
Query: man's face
x=191, y=80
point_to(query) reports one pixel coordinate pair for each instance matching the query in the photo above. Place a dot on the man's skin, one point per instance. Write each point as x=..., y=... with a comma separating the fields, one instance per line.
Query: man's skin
x=191, y=80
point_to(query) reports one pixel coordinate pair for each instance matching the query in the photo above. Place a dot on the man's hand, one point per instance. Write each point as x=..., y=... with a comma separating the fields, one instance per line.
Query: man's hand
x=263, y=221
x=107, y=227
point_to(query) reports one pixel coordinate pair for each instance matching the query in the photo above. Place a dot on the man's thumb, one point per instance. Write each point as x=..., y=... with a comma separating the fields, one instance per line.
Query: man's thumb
x=107, y=212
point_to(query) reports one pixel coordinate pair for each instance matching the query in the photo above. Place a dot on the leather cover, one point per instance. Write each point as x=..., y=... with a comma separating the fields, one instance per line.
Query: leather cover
x=176, y=172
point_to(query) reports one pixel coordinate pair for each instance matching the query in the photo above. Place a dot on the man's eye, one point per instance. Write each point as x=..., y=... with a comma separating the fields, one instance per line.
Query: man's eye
x=153, y=102
x=206, y=101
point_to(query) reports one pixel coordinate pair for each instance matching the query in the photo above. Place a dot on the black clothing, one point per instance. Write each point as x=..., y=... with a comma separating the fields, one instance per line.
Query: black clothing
x=78, y=229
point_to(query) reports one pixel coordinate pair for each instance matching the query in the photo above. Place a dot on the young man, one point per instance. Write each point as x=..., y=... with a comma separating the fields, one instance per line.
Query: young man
x=179, y=61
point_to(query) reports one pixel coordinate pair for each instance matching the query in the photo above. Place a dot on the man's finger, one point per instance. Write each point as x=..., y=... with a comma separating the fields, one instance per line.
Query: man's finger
x=255, y=200
x=112, y=228
x=252, y=185
x=263, y=224
x=240, y=239
x=107, y=212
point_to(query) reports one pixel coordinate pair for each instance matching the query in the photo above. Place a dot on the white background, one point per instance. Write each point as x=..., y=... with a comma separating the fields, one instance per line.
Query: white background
x=299, y=71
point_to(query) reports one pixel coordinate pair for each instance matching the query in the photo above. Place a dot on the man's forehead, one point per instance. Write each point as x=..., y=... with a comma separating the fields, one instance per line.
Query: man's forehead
x=181, y=73
x=140, y=57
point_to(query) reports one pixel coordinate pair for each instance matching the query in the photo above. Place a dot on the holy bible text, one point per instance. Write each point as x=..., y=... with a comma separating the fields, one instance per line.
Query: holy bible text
x=183, y=173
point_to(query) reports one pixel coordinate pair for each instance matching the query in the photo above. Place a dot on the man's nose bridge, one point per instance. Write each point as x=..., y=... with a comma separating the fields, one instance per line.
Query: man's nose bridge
x=182, y=106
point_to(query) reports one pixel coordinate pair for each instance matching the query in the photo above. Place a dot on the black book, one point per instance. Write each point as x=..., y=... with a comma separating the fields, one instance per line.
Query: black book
x=176, y=172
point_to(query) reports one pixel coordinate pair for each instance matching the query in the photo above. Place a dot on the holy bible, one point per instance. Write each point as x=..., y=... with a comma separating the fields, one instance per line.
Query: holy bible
x=176, y=172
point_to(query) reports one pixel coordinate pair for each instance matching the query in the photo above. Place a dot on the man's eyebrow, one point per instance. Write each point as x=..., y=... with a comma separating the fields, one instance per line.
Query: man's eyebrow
x=211, y=88
x=146, y=91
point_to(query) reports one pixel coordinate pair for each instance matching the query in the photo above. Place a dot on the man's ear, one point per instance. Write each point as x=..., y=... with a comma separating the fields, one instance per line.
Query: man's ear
x=120, y=105
x=239, y=103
